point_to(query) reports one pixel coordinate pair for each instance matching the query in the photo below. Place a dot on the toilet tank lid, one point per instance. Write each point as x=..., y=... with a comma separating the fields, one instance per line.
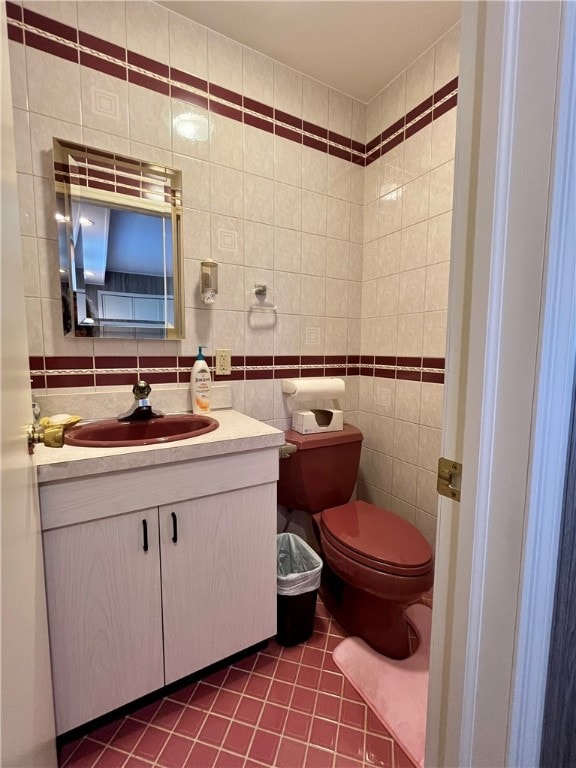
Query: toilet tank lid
x=349, y=434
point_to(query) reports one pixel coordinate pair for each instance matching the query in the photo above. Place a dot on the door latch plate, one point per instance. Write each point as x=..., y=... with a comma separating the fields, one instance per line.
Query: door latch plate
x=449, y=478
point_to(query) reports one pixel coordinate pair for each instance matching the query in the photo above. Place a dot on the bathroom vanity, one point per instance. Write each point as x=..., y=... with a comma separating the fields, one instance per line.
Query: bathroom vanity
x=159, y=561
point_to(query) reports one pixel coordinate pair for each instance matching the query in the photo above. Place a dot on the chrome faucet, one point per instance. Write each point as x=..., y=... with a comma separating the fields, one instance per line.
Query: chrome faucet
x=141, y=409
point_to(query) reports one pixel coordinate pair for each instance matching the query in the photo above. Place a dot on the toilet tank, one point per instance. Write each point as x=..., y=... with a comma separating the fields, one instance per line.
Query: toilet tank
x=323, y=471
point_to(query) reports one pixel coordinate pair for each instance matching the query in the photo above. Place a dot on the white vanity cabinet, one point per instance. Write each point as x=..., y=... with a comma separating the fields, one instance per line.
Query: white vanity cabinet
x=155, y=573
x=219, y=578
x=105, y=615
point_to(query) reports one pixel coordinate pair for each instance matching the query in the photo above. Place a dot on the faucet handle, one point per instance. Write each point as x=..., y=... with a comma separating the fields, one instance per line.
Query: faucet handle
x=141, y=390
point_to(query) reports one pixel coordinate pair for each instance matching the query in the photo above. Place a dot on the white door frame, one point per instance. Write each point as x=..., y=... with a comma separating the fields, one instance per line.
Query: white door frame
x=509, y=380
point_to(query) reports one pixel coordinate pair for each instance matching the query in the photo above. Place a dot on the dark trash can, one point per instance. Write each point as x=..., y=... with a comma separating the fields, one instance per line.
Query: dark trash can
x=298, y=579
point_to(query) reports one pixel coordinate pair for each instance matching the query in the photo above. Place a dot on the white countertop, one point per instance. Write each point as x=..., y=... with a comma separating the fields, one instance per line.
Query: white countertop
x=236, y=433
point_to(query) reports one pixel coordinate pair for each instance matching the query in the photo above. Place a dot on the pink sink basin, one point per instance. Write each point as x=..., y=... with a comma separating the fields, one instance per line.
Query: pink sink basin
x=114, y=434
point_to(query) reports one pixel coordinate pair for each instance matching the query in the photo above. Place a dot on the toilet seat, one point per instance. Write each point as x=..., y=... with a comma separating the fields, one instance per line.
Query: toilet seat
x=377, y=539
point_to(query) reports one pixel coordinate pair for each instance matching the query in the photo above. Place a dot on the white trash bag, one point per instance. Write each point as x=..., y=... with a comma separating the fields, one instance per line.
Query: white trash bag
x=298, y=566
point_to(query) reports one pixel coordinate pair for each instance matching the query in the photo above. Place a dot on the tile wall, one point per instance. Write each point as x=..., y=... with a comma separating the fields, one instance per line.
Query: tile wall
x=407, y=228
x=342, y=208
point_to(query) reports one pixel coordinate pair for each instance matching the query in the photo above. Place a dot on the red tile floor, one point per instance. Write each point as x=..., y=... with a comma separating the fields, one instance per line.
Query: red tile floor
x=283, y=707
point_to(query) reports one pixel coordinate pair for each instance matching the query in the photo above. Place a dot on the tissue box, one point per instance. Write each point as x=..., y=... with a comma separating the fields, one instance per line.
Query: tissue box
x=317, y=420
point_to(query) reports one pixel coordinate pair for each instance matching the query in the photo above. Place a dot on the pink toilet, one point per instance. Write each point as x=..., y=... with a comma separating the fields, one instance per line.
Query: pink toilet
x=374, y=561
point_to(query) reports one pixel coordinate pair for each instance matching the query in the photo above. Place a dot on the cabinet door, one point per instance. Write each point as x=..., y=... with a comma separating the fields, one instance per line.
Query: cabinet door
x=105, y=613
x=218, y=578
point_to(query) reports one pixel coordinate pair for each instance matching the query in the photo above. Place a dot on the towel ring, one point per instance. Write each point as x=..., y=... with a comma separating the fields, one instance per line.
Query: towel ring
x=260, y=292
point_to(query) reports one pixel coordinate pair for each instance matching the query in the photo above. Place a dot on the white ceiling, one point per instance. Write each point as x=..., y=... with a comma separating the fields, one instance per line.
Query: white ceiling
x=355, y=46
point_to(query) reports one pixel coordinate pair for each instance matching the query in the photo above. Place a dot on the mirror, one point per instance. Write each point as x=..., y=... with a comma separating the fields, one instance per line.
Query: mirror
x=119, y=241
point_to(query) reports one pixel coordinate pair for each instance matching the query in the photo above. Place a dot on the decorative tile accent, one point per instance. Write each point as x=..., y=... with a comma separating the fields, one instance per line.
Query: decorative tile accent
x=105, y=103
x=60, y=40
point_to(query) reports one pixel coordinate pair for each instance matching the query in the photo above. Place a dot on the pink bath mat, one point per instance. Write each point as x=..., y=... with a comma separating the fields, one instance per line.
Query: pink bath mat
x=396, y=691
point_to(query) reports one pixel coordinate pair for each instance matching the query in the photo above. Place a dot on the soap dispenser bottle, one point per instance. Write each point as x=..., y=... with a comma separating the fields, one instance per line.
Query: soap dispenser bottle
x=200, y=384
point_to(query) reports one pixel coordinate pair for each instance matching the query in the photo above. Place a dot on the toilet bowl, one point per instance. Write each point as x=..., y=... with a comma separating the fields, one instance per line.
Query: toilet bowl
x=375, y=562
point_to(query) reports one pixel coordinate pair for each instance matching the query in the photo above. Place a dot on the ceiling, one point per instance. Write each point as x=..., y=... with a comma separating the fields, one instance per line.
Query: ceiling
x=354, y=46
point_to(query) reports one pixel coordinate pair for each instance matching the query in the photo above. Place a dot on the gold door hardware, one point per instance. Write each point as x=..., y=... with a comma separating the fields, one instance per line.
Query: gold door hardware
x=449, y=478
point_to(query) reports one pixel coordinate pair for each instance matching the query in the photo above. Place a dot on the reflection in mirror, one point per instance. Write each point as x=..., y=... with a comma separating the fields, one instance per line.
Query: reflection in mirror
x=119, y=239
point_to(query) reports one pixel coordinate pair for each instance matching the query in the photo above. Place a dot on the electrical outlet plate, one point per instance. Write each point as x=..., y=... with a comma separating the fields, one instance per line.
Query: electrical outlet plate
x=223, y=364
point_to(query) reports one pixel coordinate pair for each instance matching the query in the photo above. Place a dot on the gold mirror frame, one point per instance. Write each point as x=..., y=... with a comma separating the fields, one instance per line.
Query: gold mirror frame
x=130, y=199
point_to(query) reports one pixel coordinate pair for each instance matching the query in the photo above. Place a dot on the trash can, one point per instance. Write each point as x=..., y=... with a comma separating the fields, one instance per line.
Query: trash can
x=298, y=579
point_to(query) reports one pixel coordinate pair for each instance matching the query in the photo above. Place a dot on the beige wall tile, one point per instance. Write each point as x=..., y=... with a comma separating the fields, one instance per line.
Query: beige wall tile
x=315, y=102
x=434, y=340
x=313, y=254
x=420, y=80
x=190, y=130
x=188, y=45
x=447, y=55
x=258, y=245
x=287, y=206
x=143, y=105
x=416, y=198
x=226, y=142
x=390, y=212
x=227, y=239
x=393, y=102
x=104, y=102
x=227, y=191
x=406, y=441
x=314, y=170
x=106, y=20
x=224, y=61
x=407, y=401
x=441, y=188
x=258, y=152
x=287, y=249
x=337, y=258
x=410, y=334
x=18, y=74
x=443, y=138
x=287, y=161
x=258, y=76
x=258, y=199
x=313, y=341
x=417, y=154
x=288, y=90
x=339, y=175
x=147, y=30
x=392, y=169
x=437, y=286
x=48, y=75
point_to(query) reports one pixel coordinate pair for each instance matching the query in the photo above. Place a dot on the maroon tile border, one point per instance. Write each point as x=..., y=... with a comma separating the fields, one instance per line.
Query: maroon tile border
x=47, y=45
x=53, y=27
x=70, y=380
x=103, y=65
x=13, y=11
x=102, y=46
x=115, y=379
x=67, y=362
x=225, y=110
x=81, y=371
x=119, y=62
x=164, y=361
